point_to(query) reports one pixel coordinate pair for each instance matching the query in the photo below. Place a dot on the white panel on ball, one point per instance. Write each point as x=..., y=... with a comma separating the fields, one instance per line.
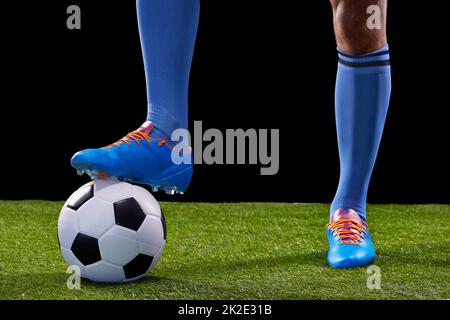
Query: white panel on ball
x=149, y=249
x=103, y=271
x=151, y=231
x=95, y=217
x=119, y=245
x=113, y=190
x=67, y=227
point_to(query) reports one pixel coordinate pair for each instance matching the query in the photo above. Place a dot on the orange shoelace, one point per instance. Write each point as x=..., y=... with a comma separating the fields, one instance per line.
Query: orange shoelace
x=349, y=231
x=138, y=136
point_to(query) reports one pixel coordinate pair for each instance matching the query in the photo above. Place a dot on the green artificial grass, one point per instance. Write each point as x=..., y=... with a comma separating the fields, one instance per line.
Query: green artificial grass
x=239, y=251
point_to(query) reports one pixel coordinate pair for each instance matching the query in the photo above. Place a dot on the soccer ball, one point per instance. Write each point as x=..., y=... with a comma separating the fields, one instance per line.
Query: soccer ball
x=112, y=230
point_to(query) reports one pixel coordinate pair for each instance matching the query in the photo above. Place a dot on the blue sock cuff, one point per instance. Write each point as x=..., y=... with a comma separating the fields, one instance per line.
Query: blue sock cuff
x=373, y=61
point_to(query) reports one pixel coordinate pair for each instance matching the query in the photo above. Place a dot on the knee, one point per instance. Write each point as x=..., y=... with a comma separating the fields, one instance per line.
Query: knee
x=360, y=25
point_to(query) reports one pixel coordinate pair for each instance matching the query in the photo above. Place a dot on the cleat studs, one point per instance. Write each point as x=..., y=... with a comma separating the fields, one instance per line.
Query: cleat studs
x=92, y=174
x=170, y=191
x=155, y=189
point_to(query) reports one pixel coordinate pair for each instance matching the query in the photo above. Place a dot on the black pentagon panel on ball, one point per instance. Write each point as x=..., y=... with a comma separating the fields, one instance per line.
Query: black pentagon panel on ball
x=163, y=221
x=80, y=197
x=128, y=213
x=138, y=266
x=86, y=249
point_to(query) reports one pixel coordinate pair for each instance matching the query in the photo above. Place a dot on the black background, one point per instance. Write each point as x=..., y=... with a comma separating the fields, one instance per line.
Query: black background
x=257, y=65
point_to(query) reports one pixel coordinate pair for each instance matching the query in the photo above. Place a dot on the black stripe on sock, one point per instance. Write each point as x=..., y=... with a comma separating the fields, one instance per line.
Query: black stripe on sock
x=365, y=64
x=376, y=54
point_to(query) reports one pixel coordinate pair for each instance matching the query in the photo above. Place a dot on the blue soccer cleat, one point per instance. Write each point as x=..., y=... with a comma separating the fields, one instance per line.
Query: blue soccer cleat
x=139, y=157
x=349, y=239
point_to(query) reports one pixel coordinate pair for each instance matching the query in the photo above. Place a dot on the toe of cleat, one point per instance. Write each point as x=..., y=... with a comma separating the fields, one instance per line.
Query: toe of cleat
x=350, y=256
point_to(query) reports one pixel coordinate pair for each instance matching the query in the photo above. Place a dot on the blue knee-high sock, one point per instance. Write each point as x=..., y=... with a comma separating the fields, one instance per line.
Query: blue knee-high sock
x=363, y=89
x=167, y=31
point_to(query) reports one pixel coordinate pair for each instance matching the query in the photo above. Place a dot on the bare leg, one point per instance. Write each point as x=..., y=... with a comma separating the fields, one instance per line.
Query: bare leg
x=350, y=26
